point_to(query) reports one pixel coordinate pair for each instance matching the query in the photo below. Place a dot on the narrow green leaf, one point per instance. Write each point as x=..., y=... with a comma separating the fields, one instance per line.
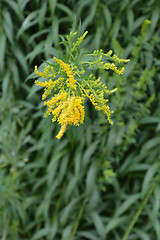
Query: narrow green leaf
x=36, y=51
x=116, y=222
x=29, y=21
x=141, y=234
x=65, y=9
x=21, y=59
x=15, y=72
x=116, y=28
x=99, y=225
x=149, y=177
x=67, y=232
x=41, y=233
x=52, y=6
x=107, y=17
x=91, y=235
x=13, y=5
x=8, y=25
x=138, y=22
x=70, y=188
x=37, y=35
x=91, y=178
x=67, y=211
x=151, y=144
x=127, y=204
x=5, y=84
x=155, y=17
x=88, y=153
x=2, y=50
x=41, y=15
x=130, y=18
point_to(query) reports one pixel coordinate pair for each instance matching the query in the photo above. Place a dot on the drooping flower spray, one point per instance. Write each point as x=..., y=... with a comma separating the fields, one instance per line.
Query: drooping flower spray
x=69, y=80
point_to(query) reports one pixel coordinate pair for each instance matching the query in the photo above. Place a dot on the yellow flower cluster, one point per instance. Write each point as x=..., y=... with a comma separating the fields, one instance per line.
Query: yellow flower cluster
x=68, y=83
x=111, y=66
x=95, y=91
x=98, y=54
x=79, y=41
x=66, y=107
x=66, y=110
x=46, y=72
x=71, y=82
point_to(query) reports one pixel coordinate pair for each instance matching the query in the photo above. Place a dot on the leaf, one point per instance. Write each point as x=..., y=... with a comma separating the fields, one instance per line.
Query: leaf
x=53, y=35
x=53, y=165
x=88, y=153
x=5, y=84
x=37, y=35
x=54, y=229
x=52, y=6
x=98, y=225
x=13, y=5
x=63, y=168
x=154, y=220
x=91, y=179
x=98, y=37
x=2, y=51
x=130, y=18
x=41, y=15
x=116, y=28
x=156, y=205
x=15, y=73
x=41, y=233
x=141, y=234
x=116, y=222
x=138, y=22
x=77, y=164
x=127, y=204
x=67, y=211
x=108, y=17
x=22, y=4
x=149, y=177
x=154, y=18
x=90, y=16
x=29, y=21
x=65, y=9
x=149, y=120
x=21, y=59
x=8, y=25
x=36, y=51
x=67, y=232
x=151, y=144
x=70, y=188
x=89, y=235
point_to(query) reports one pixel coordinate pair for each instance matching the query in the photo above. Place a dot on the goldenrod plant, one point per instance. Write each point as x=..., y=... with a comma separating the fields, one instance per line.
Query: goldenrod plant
x=68, y=81
x=59, y=189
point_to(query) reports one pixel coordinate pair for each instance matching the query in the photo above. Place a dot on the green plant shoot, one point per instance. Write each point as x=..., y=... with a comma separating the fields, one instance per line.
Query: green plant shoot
x=69, y=80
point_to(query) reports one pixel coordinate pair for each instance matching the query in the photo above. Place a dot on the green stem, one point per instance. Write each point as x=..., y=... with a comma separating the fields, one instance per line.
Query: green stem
x=74, y=230
x=136, y=216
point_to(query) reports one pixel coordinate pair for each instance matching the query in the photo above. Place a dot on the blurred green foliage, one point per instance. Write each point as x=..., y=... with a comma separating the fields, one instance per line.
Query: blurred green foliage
x=66, y=189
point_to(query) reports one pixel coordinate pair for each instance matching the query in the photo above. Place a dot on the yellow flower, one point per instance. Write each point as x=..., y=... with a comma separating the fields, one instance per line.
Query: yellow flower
x=79, y=41
x=67, y=84
x=65, y=67
x=66, y=110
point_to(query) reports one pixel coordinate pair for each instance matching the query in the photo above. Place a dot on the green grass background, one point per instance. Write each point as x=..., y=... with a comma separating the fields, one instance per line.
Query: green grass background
x=64, y=189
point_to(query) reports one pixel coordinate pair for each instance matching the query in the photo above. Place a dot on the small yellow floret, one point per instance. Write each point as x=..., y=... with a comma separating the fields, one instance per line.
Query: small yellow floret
x=65, y=67
x=79, y=41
